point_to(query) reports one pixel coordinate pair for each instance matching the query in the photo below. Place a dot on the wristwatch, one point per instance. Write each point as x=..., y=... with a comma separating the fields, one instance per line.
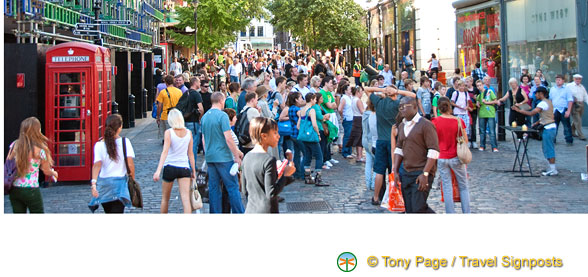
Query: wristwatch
x=426, y=174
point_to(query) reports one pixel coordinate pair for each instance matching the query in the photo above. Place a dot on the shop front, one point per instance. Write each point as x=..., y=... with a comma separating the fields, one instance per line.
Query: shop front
x=478, y=40
x=542, y=36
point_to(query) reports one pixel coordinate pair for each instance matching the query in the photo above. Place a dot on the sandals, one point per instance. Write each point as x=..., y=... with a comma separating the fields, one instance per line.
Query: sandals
x=319, y=180
x=375, y=203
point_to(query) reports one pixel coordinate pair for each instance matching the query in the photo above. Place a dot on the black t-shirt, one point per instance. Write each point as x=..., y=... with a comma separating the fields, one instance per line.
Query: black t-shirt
x=195, y=98
x=206, y=102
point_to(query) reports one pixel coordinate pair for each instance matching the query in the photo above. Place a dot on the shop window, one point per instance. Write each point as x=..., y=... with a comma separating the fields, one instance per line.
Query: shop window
x=542, y=36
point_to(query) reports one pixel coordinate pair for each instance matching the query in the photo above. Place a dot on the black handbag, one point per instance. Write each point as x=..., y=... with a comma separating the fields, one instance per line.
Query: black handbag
x=134, y=187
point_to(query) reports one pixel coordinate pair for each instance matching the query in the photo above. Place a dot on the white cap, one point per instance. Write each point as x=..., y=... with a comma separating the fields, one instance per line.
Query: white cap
x=577, y=76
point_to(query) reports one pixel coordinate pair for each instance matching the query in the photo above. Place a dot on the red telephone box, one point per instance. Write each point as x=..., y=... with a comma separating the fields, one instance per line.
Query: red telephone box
x=78, y=97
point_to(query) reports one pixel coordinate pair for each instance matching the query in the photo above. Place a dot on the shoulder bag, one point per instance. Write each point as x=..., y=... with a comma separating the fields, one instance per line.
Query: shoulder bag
x=463, y=152
x=307, y=132
x=134, y=187
x=10, y=172
x=202, y=180
x=195, y=198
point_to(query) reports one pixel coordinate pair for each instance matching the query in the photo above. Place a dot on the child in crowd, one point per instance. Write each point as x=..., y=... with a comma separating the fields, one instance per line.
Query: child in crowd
x=260, y=179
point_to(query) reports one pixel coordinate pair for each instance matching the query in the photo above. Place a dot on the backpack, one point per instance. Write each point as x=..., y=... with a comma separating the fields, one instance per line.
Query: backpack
x=186, y=106
x=242, y=127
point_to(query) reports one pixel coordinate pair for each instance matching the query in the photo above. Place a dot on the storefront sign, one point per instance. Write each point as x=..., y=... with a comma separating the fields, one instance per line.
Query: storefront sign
x=540, y=20
x=70, y=59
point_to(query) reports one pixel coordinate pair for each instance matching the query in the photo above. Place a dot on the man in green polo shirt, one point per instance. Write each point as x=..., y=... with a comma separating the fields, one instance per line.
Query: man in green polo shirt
x=329, y=107
x=486, y=115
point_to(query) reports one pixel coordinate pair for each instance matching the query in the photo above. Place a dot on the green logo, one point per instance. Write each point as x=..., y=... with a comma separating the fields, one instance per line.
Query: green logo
x=346, y=262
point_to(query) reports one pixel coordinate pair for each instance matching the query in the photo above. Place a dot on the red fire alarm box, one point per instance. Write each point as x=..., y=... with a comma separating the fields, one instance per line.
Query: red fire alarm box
x=78, y=94
x=20, y=80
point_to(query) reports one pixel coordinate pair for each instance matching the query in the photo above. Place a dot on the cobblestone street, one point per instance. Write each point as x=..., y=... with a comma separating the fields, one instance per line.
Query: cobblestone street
x=491, y=189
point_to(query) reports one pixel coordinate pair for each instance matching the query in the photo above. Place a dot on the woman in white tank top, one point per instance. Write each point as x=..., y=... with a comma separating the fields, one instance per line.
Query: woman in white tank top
x=355, y=137
x=177, y=161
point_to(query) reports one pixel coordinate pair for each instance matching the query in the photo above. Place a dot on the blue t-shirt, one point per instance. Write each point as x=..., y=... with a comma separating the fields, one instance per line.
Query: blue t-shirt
x=214, y=123
x=241, y=102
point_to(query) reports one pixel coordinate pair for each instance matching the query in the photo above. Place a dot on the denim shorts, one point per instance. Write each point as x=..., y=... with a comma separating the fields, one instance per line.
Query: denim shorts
x=170, y=173
x=383, y=157
x=547, y=142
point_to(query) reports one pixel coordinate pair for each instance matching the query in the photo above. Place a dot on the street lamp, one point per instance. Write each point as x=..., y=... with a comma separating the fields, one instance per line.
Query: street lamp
x=97, y=7
x=196, y=27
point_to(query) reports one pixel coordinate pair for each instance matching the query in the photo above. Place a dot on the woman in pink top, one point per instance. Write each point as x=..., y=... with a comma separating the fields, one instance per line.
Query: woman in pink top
x=447, y=132
x=30, y=153
x=525, y=80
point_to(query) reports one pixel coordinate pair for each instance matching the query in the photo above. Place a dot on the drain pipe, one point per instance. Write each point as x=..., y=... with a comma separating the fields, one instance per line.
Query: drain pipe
x=54, y=31
x=31, y=39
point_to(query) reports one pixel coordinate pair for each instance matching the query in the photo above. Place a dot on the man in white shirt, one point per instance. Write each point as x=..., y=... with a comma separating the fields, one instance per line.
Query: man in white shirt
x=276, y=74
x=418, y=154
x=580, y=97
x=176, y=67
x=388, y=76
x=302, y=85
x=235, y=70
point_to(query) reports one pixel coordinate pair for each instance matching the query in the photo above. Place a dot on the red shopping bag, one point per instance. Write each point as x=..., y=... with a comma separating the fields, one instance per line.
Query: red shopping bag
x=456, y=197
x=395, y=199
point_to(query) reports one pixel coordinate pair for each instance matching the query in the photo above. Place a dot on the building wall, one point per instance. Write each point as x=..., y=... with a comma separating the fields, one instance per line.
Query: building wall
x=259, y=42
x=435, y=33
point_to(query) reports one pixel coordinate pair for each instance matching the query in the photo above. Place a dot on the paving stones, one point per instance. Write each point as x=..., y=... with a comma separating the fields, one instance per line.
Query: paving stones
x=491, y=189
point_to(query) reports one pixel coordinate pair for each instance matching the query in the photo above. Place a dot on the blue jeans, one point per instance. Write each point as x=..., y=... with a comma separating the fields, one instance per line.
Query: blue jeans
x=216, y=173
x=560, y=117
x=234, y=79
x=487, y=123
x=347, y=132
x=370, y=175
x=194, y=127
x=535, y=117
x=547, y=138
x=298, y=148
x=313, y=149
x=445, y=166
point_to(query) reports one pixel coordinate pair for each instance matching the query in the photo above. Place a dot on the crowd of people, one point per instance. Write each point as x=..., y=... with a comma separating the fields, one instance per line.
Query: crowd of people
x=266, y=116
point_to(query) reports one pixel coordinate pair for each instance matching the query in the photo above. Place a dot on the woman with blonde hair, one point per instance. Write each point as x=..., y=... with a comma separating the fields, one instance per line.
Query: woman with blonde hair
x=315, y=83
x=30, y=153
x=109, y=172
x=177, y=161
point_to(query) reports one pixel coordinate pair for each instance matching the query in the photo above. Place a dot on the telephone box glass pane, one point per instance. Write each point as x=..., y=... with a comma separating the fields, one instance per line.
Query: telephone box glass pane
x=69, y=161
x=69, y=77
x=69, y=101
x=69, y=89
x=70, y=113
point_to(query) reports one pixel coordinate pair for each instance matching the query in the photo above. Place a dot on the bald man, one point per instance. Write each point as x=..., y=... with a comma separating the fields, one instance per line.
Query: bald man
x=418, y=154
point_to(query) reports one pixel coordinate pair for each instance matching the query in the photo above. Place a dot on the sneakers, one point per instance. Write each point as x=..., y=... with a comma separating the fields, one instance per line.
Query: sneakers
x=550, y=173
x=495, y=150
x=329, y=164
x=333, y=161
x=481, y=149
x=326, y=167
